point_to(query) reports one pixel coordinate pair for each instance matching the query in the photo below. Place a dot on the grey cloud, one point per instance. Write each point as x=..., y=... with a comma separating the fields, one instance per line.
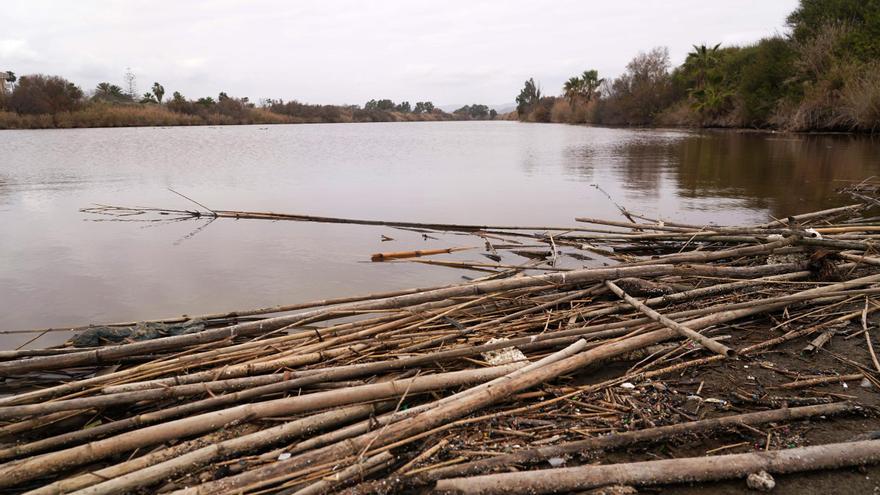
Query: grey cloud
x=336, y=51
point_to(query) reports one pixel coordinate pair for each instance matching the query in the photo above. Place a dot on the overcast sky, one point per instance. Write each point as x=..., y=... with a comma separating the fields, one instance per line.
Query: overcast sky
x=348, y=51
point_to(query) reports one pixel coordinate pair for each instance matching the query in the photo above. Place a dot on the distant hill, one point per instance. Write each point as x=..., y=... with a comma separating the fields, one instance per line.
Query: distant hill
x=504, y=107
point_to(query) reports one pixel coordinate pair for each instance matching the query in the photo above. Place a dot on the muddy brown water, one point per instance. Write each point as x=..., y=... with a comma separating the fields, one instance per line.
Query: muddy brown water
x=61, y=267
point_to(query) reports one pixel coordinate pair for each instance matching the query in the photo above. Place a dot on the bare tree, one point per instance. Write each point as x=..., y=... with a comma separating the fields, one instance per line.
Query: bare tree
x=130, y=83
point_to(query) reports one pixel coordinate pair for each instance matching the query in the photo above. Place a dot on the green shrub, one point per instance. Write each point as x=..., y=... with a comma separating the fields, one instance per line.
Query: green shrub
x=862, y=41
x=760, y=78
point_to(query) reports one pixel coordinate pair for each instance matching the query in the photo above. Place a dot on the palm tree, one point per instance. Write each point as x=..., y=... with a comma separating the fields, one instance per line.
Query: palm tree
x=590, y=83
x=572, y=88
x=158, y=91
x=703, y=59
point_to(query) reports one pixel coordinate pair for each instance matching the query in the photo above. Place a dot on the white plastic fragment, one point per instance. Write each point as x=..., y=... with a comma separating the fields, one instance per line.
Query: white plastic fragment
x=811, y=232
x=627, y=385
x=284, y=456
x=556, y=461
x=865, y=383
x=761, y=481
x=506, y=355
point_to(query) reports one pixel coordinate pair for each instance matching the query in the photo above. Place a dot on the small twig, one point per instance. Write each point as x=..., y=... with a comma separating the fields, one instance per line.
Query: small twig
x=868, y=336
x=622, y=209
x=396, y=409
x=192, y=200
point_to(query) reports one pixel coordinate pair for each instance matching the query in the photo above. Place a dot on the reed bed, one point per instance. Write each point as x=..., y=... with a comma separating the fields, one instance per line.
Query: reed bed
x=703, y=352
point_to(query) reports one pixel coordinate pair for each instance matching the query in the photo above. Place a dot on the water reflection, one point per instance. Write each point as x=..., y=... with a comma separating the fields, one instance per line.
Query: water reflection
x=788, y=174
x=784, y=174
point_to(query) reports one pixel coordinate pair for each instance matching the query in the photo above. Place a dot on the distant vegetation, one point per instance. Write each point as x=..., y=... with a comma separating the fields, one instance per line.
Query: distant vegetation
x=40, y=101
x=822, y=76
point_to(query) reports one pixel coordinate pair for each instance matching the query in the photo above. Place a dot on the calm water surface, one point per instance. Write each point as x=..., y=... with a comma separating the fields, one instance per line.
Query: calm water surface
x=61, y=267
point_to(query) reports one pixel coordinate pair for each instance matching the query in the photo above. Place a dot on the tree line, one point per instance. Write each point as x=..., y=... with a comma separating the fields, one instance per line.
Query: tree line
x=822, y=75
x=42, y=101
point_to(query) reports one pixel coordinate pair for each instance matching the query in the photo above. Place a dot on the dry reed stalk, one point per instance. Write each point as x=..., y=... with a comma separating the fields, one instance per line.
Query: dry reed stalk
x=417, y=253
x=824, y=380
x=704, y=341
x=682, y=470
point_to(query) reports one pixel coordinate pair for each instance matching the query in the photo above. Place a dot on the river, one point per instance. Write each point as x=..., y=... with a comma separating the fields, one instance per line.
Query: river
x=59, y=266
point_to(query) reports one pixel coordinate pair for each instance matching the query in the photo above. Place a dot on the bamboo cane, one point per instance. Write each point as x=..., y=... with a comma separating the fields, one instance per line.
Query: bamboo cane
x=689, y=469
x=416, y=254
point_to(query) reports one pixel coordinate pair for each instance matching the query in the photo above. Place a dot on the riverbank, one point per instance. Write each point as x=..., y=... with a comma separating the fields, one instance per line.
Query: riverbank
x=719, y=129
x=159, y=116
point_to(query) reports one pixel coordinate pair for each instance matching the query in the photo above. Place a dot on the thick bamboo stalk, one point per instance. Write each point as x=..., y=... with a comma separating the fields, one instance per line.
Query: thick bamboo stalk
x=718, y=230
x=835, y=244
x=814, y=214
x=683, y=470
x=488, y=267
x=617, y=440
x=706, y=256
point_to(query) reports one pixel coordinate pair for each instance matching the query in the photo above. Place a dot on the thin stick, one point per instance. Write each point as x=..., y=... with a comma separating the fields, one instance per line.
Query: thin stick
x=194, y=201
x=868, y=336
x=704, y=341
